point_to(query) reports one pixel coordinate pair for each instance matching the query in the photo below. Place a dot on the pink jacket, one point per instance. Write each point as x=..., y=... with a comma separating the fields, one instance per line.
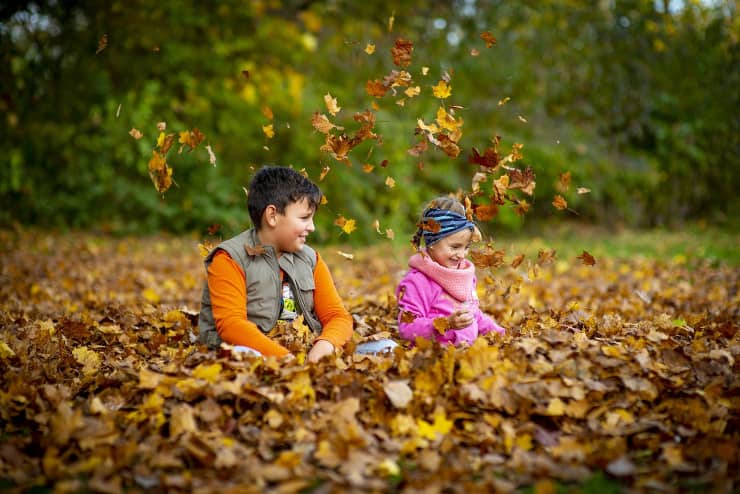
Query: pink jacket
x=430, y=290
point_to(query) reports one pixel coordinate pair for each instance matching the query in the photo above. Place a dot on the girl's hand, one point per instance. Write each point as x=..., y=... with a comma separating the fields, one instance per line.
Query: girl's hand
x=460, y=319
x=320, y=349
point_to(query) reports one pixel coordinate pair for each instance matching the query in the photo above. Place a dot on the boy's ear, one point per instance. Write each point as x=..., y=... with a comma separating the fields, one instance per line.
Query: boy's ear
x=269, y=217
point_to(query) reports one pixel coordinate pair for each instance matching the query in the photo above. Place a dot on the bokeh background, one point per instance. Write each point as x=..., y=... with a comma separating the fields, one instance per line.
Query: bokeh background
x=638, y=100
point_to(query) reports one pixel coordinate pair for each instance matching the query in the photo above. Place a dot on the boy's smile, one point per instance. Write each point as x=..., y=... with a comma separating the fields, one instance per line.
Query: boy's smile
x=287, y=232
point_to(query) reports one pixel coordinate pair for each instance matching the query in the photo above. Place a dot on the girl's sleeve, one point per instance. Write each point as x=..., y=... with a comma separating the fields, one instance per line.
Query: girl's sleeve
x=335, y=319
x=228, y=288
x=413, y=304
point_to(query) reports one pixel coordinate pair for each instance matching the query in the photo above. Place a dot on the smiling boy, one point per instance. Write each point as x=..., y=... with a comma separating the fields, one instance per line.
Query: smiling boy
x=268, y=273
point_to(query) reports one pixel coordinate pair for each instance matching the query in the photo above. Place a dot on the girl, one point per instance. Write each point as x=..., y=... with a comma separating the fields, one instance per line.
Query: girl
x=437, y=297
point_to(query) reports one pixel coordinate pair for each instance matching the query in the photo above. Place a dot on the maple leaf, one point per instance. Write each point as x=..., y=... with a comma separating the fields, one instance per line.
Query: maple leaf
x=587, y=259
x=165, y=142
x=418, y=148
x=442, y=90
x=487, y=257
x=407, y=317
x=429, y=225
x=161, y=126
x=401, y=52
x=412, y=91
x=347, y=226
x=390, y=182
x=321, y=123
x=90, y=359
x=446, y=144
x=191, y=138
x=441, y=325
x=338, y=147
x=376, y=88
x=485, y=212
x=269, y=131
x=102, y=43
x=489, y=159
x=545, y=257
x=524, y=180
x=398, y=78
x=448, y=122
x=488, y=38
x=159, y=172
x=369, y=48
x=517, y=261
x=583, y=190
x=205, y=248
x=331, y=104
x=559, y=202
x=135, y=133
x=522, y=206
x=208, y=372
x=440, y=427
x=564, y=181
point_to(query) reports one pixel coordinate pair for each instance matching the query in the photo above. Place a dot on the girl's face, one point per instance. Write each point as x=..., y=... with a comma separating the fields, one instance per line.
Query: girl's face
x=451, y=251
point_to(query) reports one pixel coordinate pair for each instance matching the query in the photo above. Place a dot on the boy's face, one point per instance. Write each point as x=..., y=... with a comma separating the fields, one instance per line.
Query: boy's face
x=451, y=250
x=292, y=227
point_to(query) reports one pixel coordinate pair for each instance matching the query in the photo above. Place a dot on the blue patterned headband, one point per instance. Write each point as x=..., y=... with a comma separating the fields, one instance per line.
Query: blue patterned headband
x=449, y=222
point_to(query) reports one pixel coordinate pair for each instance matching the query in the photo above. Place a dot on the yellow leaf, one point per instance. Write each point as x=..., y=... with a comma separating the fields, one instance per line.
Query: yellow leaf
x=412, y=91
x=269, y=131
x=440, y=425
x=160, y=139
x=390, y=182
x=442, y=90
x=556, y=407
x=300, y=387
x=331, y=104
x=424, y=70
x=389, y=468
x=208, y=372
x=502, y=102
x=90, y=359
x=150, y=295
x=5, y=350
x=523, y=441
x=349, y=226
x=370, y=48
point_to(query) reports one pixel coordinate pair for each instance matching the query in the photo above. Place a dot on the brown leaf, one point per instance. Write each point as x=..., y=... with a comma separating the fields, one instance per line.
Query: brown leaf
x=257, y=250
x=401, y=52
x=488, y=38
x=587, y=259
x=559, y=202
x=487, y=257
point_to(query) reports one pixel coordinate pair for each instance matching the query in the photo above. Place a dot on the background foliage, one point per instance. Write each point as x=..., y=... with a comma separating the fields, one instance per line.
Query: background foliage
x=637, y=99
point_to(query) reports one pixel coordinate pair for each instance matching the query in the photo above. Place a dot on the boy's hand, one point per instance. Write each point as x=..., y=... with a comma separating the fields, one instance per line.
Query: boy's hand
x=320, y=349
x=460, y=319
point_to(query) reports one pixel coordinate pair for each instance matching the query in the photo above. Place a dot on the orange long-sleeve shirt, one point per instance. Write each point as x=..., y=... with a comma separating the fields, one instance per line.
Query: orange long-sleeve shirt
x=228, y=288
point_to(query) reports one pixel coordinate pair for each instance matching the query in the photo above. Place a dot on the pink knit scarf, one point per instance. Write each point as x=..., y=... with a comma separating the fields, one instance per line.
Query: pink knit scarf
x=457, y=282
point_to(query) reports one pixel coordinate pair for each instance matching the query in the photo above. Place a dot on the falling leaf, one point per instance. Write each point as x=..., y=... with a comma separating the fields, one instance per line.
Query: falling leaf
x=191, y=139
x=390, y=182
x=412, y=91
x=503, y=101
x=159, y=172
x=474, y=52
x=211, y=155
x=517, y=261
x=102, y=43
x=442, y=90
x=564, y=181
x=347, y=226
x=583, y=190
x=346, y=255
x=391, y=19
x=521, y=118
x=367, y=168
x=418, y=148
x=545, y=257
x=401, y=52
x=321, y=123
x=587, y=259
x=487, y=257
x=331, y=104
x=135, y=133
x=245, y=73
x=489, y=159
x=161, y=126
x=389, y=234
x=522, y=179
x=118, y=111
x=485, y=212
x=488, y=38
x=324, y=172
x=269, y=131
x=376, y=88
x=370, y=48
x=559, y=202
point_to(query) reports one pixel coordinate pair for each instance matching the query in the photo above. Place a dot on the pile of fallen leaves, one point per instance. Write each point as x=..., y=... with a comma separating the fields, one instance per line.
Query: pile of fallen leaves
x=625, y=370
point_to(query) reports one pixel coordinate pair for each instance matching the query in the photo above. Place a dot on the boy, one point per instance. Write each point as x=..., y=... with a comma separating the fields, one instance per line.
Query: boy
x=268, y=273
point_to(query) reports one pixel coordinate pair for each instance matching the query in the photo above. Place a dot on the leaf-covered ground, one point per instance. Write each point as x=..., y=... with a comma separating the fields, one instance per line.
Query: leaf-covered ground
x=623, y=374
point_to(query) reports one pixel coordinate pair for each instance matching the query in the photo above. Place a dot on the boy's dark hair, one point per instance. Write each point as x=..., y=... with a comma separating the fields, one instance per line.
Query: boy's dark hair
x=279, y=186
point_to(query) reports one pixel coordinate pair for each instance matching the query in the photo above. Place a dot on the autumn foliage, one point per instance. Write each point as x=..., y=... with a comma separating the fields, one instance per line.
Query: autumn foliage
x=625, y=369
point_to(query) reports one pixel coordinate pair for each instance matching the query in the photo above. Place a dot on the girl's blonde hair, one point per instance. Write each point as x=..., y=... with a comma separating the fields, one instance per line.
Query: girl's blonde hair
x=446, y=203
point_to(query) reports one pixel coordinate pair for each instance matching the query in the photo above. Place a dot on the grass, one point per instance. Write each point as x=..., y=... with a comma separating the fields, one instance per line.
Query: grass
x=691, y=245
